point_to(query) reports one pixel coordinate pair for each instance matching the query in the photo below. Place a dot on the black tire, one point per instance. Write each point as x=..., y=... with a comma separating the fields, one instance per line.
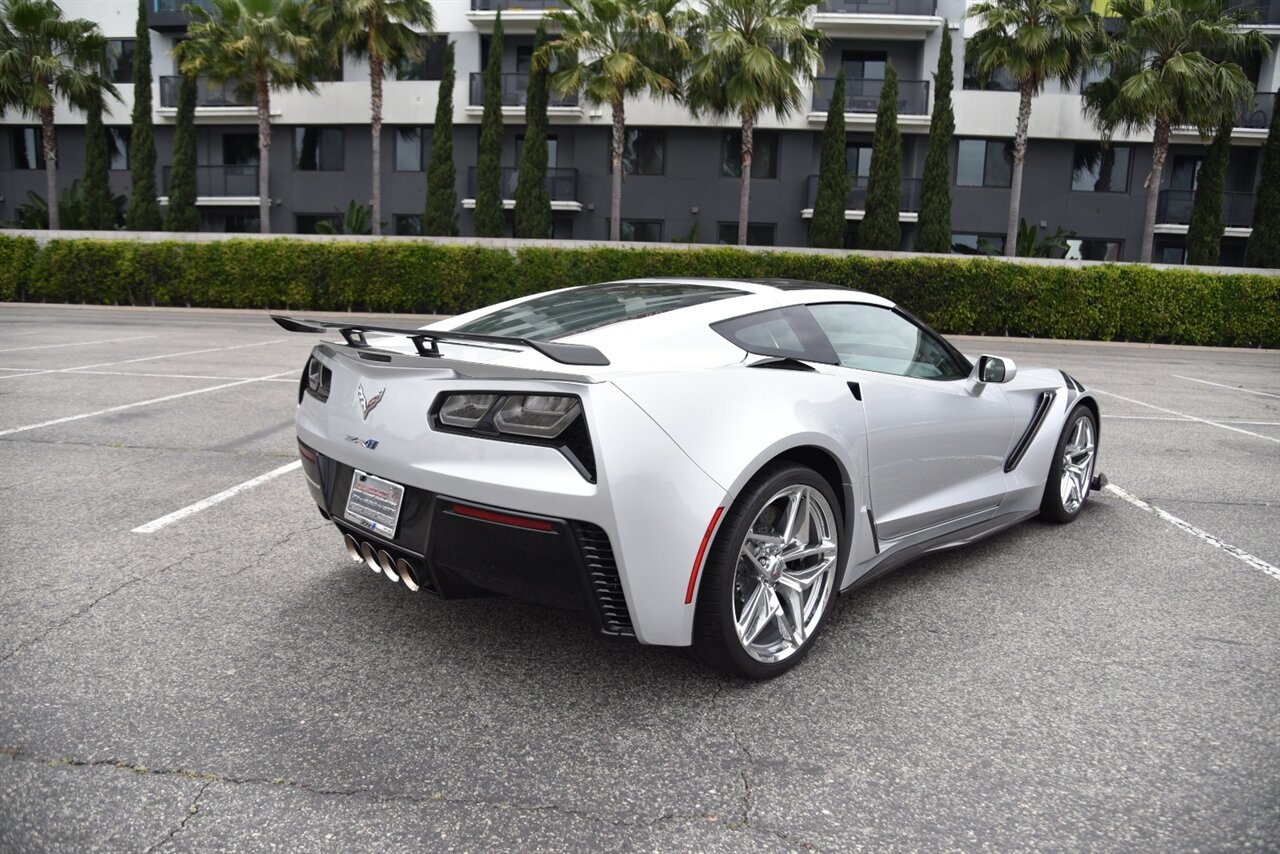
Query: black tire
x=715, y=638
x=1053, y=506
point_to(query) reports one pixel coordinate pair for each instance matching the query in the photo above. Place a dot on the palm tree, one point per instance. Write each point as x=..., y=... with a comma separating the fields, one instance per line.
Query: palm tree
x=384, y=33
x=258, y=45
x=1162, y=76
x=752, y=57
x=1034, y=41
x=612, y=49
x=43, y=57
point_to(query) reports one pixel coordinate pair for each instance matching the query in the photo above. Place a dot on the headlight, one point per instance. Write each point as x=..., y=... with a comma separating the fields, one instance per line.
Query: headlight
x=542, y=416
x=465, y=410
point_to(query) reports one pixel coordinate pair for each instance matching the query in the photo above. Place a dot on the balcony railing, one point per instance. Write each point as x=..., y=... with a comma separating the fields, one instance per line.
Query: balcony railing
x=562, y=184
x=1258, y=113
x=863, y=96
x=515, y=89
x=857, y=198
x=1265, y=12
x=515, y=5
x=1174, y=206
x=221, y=181
x=209, y=93
x=178, y=5
x=878, y=7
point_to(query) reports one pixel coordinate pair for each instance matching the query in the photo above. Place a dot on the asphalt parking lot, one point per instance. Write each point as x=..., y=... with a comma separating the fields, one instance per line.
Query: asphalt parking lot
x=231, y=680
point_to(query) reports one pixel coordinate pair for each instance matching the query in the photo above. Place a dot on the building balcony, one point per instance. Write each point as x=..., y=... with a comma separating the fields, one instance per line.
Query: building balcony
x=562, y=185
x=855, y=204
x=1266, y=13
x=518, y=16
x=1173, y=210
x=515, y=91
x=862, y=97
x=170, y=15
x=226, y=186
x=885, y=19
x=213, y=98
x=1258, y=113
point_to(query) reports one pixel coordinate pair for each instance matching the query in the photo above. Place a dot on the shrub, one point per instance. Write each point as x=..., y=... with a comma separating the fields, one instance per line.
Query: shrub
x=961, y=295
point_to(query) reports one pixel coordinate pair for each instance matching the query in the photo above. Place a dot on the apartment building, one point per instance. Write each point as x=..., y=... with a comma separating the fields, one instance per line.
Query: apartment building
x=681, y=178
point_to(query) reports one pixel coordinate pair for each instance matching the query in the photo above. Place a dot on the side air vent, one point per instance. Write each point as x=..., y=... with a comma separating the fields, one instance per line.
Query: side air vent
x=602, y=576
x=1033, y=427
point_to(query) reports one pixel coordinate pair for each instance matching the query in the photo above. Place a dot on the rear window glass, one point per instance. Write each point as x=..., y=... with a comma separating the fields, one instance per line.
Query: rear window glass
x=570, y=312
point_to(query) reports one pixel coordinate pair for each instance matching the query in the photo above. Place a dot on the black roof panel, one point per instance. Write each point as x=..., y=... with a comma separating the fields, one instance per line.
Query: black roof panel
x=795, y=284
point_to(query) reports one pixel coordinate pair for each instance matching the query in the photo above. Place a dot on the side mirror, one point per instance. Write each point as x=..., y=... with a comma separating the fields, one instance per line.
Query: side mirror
x=994, y=369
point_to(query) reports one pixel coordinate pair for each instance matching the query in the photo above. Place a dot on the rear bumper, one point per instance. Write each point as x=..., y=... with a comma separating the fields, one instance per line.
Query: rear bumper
x=461, y=548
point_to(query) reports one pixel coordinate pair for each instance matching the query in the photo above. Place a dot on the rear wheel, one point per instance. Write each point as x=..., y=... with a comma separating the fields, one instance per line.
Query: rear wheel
x=1071, y=473
x=770, y=577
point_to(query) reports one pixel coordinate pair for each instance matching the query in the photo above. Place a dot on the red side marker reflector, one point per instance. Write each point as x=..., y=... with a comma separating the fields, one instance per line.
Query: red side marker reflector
x=702, y=550
x=307, y=453
x=502, y=518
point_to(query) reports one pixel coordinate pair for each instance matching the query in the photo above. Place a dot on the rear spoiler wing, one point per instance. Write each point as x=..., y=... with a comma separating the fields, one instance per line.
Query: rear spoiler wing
x=426, y=340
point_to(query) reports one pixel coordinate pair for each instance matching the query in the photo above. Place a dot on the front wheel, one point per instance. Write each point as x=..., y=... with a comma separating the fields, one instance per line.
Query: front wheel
x=1071, y=473
x=771, y=574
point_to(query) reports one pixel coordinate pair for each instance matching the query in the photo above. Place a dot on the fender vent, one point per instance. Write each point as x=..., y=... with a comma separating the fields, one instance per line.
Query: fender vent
x=602, y=576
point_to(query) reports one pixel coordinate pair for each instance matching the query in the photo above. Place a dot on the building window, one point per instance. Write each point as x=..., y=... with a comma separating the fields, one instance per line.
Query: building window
x=977, y=244
x=118, y=146
x=984, y=163
x=318, y=149
x=644, y=152
x=1186, y=172
x=28, y=148
x=1089, y=249
x=240, y=149
x=1094, y=74
x=413, y=149
x=553, y=150
x=562, y=227
x=764, y=154
x=306, y=223
x=642, y=230
x=997, y=81
x=242, y=224
x=408, y=224
x=1100, y=170
x=430, y=67
x=857, y=163
x=864, y=65
x=758, y=233
x=120, y=60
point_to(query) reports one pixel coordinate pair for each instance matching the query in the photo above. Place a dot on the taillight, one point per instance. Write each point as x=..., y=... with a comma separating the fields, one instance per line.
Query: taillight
x=315, y=380
x=554, y=420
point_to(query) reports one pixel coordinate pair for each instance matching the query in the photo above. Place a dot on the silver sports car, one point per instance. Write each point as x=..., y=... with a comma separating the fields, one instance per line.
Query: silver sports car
x=692, y=462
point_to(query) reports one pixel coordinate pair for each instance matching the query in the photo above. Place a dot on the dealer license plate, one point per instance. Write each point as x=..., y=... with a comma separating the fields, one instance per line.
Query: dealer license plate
x=374, y=503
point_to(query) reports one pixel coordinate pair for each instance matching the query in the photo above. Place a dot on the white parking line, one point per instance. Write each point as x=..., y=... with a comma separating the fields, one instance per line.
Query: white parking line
x=30, y=373
x=125, y=406
x=156, y=524
x=1189, y=417
x=1192, y=420
x=190, y=377
x=1231, y=387
x=1255, y=562
x=76, y=344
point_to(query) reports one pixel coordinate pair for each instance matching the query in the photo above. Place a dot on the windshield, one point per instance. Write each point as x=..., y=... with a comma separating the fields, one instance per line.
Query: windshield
x=553, y=316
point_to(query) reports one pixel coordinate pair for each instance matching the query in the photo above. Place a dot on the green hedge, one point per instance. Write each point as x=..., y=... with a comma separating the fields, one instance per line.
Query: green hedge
x=957, y=295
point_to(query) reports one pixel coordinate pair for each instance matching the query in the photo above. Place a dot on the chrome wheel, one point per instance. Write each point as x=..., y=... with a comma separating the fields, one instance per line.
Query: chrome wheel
x=1077, y=466
x=785, y=573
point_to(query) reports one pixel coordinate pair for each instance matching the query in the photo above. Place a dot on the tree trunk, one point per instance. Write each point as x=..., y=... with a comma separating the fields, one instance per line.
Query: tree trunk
x=619, y=141
x=49, y=142
x=744, y=194
x=375, y=130
x=264, y=154
x=1019, y=157
x=1160, y=149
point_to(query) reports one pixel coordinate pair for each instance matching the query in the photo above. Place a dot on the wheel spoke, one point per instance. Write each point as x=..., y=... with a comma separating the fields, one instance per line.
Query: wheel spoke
x=764, y=539
x=794, y=501
x=803, y=578
x=791, y=615
x=824, y=548
x=753, y=560
x=755, y=614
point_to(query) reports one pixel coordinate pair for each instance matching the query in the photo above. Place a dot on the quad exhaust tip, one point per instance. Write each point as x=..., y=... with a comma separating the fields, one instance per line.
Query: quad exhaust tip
x=370, y=557
x=407, y=575
x=388, y=565
x=380, y=560
x=353, y=548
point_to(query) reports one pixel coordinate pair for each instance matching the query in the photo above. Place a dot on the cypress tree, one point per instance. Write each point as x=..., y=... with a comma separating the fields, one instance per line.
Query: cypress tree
x=533, y=202
x=490, y=219
x=1264, y=246
x=1204, y=234
x=934, y=234
x=99, y=212
x=182, y=214
x=880, y=228
x=827, y=228
x=441, y=215
x=144, y=210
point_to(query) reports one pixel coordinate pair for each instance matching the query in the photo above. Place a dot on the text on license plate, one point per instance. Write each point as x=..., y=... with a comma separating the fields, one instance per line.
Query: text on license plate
x=374, y=503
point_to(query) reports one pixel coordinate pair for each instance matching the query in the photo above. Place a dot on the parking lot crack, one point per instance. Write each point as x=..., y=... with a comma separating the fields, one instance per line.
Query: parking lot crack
x=192, y=811
x=84, y=609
